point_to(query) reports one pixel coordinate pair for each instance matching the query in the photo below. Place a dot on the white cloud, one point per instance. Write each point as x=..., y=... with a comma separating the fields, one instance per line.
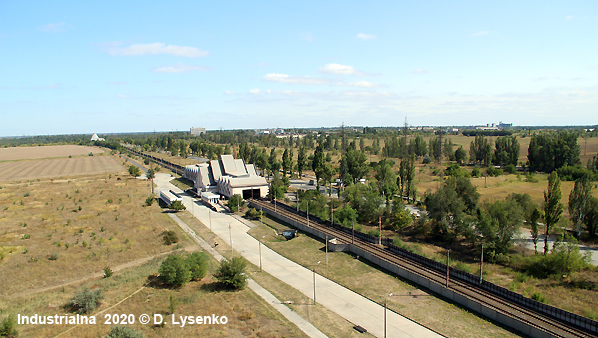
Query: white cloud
x=228, y=92
x=285, y=78
x=480, y=33
x=180, y=68
x=420, y=71
x=362, y=84
x=335, y=68
x=53, y=27
x=159, y=48
x=366, y=37
x=569, y=17
x=255, y=91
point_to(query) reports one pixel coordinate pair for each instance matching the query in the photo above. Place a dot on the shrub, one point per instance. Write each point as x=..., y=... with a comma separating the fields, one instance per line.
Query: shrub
x=539, y=297
x=177, y=206
x=231, y=274
x=53, y=256
x=8, y=327
x=198, y=265
x=426, y=159
x=564, y=259
x=475, y=172
x=374, y=232
x=123, y=332
x=146, y=161
x=253, y=213
x=86, y=300
x=511, y=169
x=169, y=237
x=149, y=201
x=108, y=272
x=174, y=271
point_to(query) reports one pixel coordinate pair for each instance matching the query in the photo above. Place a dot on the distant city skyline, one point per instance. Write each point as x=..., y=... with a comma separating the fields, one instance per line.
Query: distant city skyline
x=113, y=67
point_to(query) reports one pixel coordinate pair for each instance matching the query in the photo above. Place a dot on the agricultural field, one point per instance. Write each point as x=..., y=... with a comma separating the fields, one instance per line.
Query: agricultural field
x=34, y=169
x=27, y=153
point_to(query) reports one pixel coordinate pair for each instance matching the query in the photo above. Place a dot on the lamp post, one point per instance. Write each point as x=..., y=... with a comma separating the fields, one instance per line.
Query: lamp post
x=326, y=249
x=230, y=234
x=385, y=307
x=314, y=273
x=380, y=230
x=448, y=261
x=481, y=263
x=260, y=248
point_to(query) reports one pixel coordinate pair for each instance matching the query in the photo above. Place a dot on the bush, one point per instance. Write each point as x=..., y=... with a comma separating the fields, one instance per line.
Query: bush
x=85, y=301
x=564, y=259
x=146, y=161
x=108, y=272
x=174, y=271
x=511, y=169
x=426, y=159
x=253, y=213
x=374, y=232
x=198, y=265
x=492, y=171
x=170, y=237
x=475, y=172
x=149, y=201
x=177, y=206
x=123, y=332
x=539, y=297
x=53, y=256
x=8, y=327
x=231, y=274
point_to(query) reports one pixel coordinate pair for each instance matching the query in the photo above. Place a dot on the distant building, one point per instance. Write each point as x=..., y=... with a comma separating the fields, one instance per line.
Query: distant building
x=197, y=131
x=95, y=137
x=504, y=125
x=227, y=176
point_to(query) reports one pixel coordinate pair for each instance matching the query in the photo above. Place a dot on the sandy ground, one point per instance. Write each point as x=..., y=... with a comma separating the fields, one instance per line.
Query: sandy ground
x=27, y=153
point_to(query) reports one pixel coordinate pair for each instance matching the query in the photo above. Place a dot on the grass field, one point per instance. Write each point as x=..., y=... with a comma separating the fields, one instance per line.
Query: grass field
x=27, y=153
x=34, y=169
x=248, y=315
x=56, y=230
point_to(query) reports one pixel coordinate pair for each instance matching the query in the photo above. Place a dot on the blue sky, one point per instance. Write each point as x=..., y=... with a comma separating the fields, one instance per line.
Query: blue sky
x=116, y=66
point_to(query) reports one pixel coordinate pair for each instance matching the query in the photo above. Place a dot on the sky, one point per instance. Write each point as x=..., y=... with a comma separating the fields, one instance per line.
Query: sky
x=71, y=67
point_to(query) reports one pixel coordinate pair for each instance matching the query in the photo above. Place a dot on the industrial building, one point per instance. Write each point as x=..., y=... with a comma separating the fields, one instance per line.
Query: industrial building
x=197, y=131
x=226, y=177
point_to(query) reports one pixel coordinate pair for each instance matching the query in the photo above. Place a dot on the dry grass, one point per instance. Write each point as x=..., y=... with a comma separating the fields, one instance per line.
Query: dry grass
x=89, y=222
x=28, y=153
x=248, y=315
x=174, y=159
x=446, y=318
x=22, y=170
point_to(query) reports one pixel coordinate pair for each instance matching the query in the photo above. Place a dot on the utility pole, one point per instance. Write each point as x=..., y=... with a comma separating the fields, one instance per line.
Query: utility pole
x=380, y=230
x=448, y=253
x=230, y=233
x=326, y=249
x=481, y=264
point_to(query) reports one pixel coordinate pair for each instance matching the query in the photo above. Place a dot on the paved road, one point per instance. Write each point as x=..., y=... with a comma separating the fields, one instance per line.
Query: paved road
x=346, y=303
x=525, y=239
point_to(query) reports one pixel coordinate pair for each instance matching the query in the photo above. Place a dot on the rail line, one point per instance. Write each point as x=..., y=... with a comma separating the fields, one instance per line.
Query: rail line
x=490, y=300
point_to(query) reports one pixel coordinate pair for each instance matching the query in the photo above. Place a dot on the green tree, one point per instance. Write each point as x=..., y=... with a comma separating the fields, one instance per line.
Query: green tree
x=231, y=274
x=497, y=223
x=235, y=202
x=151, y=174
x=420, y=147
x=534, y=224
x=198, y=265
x=174, y=271
x=149, y=201
x=579, y=202
x=301, y=161
x=134, y=171
x=387, y=185
x=287, y=161
x=506, y=150
x=480, y=150
x=548, y=152
x=273, y=163
x=460, y=155
x=177, y=206
x=318, y=165
x=86, y=300
x=553, y=208
x=591, y=219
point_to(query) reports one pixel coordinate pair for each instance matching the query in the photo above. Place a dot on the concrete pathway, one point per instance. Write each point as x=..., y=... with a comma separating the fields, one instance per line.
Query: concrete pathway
x=346, y=303
x=525, y=239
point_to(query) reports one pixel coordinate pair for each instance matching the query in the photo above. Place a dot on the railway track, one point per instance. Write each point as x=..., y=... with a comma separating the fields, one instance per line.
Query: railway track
x=513, y=310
